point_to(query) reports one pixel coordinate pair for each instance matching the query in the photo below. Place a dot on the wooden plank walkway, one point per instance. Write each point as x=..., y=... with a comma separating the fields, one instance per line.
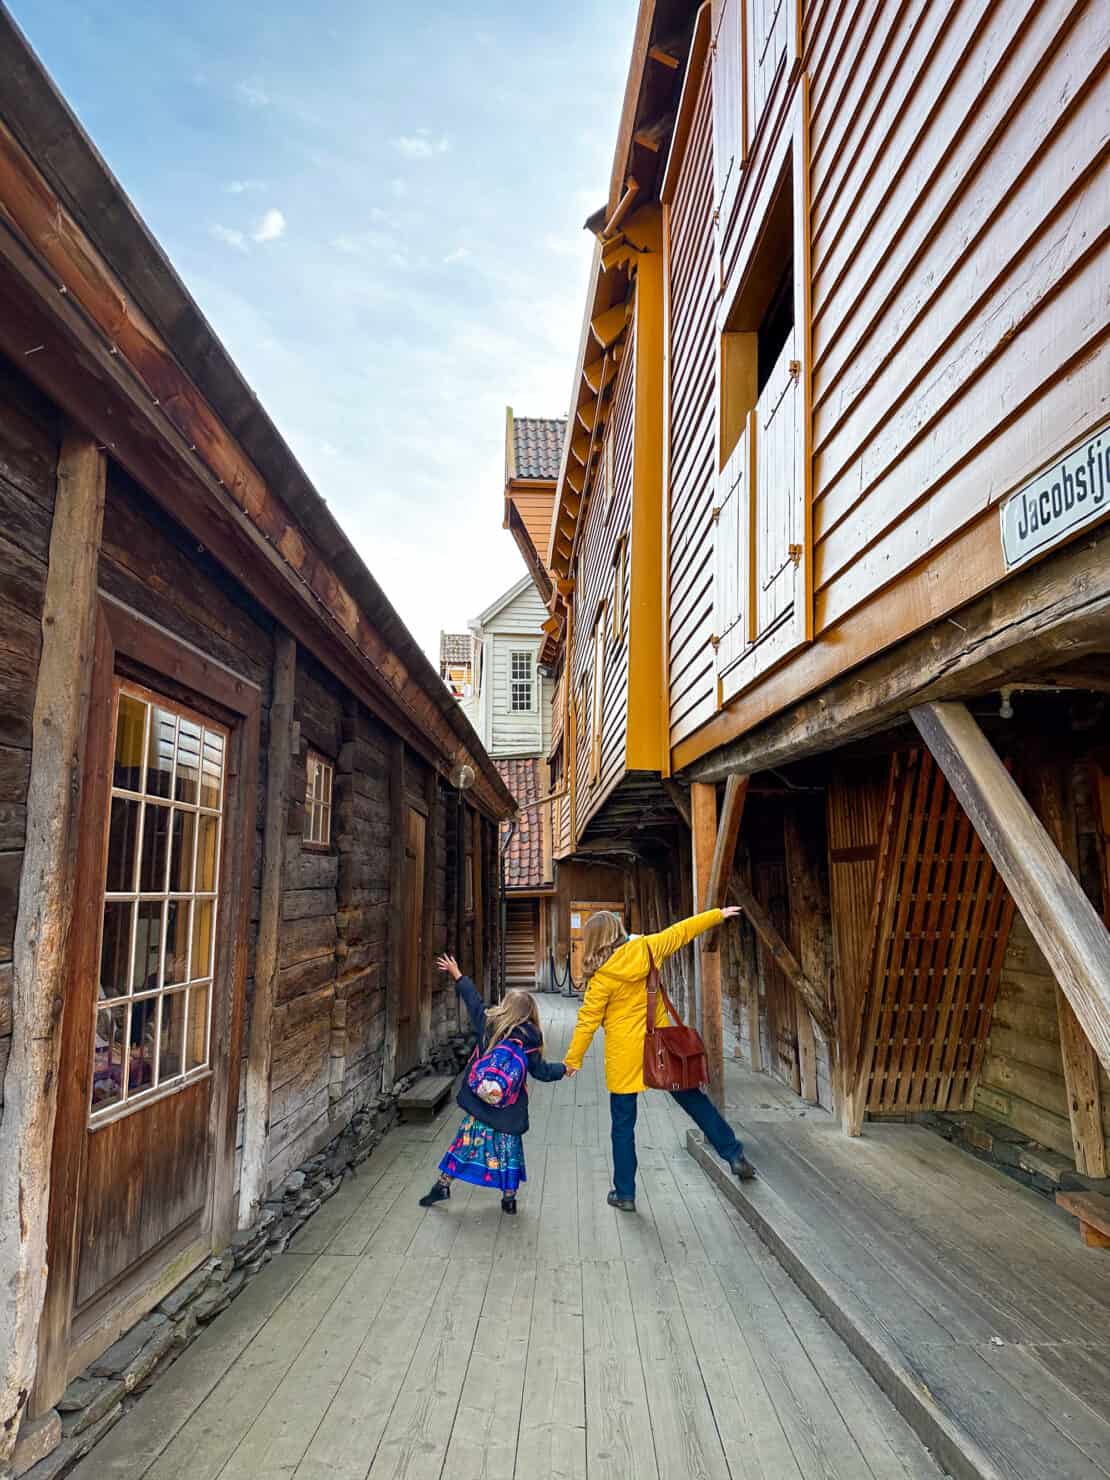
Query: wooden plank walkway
x=569, y=1342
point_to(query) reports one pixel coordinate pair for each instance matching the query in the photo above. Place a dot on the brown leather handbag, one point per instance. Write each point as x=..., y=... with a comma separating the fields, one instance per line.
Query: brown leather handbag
x=674, y=1056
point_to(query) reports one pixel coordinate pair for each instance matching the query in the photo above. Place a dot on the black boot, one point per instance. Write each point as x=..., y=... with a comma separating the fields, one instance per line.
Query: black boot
x=625, y=1204
x=508, y=1204
x=439, y=1193
x=742, y=1168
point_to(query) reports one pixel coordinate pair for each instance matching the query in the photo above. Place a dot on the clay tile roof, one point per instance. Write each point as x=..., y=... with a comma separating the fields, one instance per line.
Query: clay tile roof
x=454, y=647
x=524, y=859
x=538, y=445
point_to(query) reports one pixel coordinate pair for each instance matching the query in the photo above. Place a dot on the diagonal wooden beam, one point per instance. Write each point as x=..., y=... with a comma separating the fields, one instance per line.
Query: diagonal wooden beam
x=724, y=850
x=1060, y=917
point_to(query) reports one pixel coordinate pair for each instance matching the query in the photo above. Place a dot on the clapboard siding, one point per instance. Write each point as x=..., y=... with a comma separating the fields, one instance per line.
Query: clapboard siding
x=692, y=392
x=515, y=626
x=606, y=524
x=974, y=260
x=29, y=442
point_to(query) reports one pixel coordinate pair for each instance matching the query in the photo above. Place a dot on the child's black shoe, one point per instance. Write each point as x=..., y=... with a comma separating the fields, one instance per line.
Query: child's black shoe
x=508, y=1204
x=439, y=1193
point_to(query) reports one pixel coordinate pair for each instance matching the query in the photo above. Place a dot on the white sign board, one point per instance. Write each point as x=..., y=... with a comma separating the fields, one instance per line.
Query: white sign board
x=576, y=922
x=1057, y=502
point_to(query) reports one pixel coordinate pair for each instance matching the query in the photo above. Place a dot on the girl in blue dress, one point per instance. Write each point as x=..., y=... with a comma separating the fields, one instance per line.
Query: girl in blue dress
x=488, y=1149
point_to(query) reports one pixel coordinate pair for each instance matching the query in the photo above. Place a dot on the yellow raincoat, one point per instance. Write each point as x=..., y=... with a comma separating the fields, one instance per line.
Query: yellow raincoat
x=616, y=1000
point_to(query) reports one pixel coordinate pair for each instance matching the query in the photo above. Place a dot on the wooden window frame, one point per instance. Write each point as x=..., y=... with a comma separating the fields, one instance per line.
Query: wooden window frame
x=533, y=686
x=309, y=840
x=150, y=803
x=608, y=470
x=620, y=590
x=597, y=694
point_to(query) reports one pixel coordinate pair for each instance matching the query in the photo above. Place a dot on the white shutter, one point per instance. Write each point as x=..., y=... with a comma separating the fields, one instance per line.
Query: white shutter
x=730, y=584
x=728, y=105
x=769, y=36
x=778, y=528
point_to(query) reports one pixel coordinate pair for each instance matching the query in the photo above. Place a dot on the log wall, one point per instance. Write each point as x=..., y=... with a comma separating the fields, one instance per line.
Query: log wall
x=29, y=444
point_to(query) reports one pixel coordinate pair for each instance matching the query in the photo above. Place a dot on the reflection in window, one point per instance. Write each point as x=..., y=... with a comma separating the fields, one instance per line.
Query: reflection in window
x=157, y=951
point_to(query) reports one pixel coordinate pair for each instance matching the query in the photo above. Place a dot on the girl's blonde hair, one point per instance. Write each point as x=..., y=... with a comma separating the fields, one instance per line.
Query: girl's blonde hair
x=515, y=1008
x=604, y=932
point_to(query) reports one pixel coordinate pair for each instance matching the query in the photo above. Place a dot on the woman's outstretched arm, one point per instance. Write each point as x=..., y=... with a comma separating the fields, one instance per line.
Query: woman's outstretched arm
x=668, y=941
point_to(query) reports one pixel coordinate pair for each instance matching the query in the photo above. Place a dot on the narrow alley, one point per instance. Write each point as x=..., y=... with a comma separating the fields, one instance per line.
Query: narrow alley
x=570, y=1341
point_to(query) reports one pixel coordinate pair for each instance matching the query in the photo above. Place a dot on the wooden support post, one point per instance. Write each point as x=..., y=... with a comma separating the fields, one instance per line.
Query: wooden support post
x=254, y=1183
x=811, y=922
x=1080, y=1061
x=477, y=862
x=724, y=849
x=703, y=810
x=1061, y=918
x=427, y=970
x=46, y=900
x=394, y=984
x=456, y=947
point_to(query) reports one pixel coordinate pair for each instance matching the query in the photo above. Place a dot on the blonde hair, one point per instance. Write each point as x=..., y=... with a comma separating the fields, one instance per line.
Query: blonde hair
x=603, y=934
x=515, y=1008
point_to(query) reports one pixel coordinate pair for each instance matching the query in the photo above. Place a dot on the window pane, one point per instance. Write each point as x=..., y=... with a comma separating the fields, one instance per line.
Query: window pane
x=123, y=833
x=327, y=785
x=159, y=760
x=115, y=949
x=196, y=1045
x=177, y=941
x=171, y=1055
x=155, y=850
x=181, y=851
x=212, y=770
x=203, y=913
x=111, y=1029
x=188, y=762
x=148, y=946
x=130, y=727
x=208, y=854
x=144, y=1019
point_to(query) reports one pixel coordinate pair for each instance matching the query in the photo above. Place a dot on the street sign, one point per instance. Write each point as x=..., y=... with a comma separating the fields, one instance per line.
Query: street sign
x=1062, y=499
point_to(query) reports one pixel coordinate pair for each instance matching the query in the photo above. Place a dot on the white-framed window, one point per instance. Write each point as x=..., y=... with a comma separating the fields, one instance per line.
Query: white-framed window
x=620, y=584
x=597, y=718
x=161, y=900
x=609, y=476
x=317, y=800
x=522, y=681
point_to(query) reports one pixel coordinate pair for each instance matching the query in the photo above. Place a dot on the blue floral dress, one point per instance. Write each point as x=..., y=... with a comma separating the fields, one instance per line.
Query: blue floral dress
x=485, y=1157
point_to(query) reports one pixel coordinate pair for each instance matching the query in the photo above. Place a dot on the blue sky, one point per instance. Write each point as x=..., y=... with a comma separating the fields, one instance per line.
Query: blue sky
x=379, y=208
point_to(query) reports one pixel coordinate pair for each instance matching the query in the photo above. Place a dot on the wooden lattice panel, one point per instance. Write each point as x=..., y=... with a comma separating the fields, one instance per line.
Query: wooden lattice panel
x=939, y=924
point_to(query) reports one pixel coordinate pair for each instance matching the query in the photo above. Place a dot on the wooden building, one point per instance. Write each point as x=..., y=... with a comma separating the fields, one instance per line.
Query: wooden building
x=232, y=834
x=831, y=563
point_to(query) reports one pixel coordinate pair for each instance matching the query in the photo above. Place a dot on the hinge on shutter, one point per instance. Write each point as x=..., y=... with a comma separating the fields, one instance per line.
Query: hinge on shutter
x=796, y=369
x=714, y=642
x=793, y=557
x=796, y=552
x=716, y=513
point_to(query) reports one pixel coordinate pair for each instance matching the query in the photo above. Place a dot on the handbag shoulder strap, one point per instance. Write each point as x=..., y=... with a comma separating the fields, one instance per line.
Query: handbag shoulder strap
x=656, y=989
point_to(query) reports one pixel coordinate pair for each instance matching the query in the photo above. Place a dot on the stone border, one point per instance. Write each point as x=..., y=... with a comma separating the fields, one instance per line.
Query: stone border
x=798, y=1250
x=93, y=1403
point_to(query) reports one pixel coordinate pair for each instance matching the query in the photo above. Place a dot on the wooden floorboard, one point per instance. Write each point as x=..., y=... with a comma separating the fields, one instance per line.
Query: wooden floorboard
x=570, y=1342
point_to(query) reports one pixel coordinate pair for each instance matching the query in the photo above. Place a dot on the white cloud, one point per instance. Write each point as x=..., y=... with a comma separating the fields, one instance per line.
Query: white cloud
x=230, y=237
x=423, y=144
x=460, y=254
x=270, y=227
x=252, y=93
x=244, y=187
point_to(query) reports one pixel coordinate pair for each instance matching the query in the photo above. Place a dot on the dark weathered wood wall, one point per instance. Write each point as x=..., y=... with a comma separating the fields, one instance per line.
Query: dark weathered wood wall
x=29, y=443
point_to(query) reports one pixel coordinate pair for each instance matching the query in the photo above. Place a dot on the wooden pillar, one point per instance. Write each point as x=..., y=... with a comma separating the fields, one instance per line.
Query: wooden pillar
x=703, y=812
x=46, y=900
x=810, y=921
x=430, y=905
x=1060, y=917
x=254, y=1183
x=477, y=862
x=393, y=986
x=1080, y=1061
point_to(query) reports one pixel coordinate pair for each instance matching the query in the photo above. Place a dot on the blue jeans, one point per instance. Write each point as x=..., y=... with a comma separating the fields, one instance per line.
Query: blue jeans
x=698, y=1106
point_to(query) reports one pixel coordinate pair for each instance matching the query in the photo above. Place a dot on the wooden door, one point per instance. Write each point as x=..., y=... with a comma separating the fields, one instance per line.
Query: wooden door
x=580, y=912
x=412, y=973
x=146, y=1157
x=521, y=943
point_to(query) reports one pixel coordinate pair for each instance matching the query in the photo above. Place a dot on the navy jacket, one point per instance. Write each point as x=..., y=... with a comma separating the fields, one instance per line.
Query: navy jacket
x=511, y=1118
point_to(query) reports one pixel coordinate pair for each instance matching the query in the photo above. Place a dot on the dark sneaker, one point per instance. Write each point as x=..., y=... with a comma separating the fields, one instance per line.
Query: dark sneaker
x=743, y=1169
x=508, y=1204
x=625, y=1204
x=439, y=1193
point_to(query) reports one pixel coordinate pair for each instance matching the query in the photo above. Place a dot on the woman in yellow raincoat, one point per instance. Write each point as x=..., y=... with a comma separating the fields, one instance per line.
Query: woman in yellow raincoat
x=616, y=1000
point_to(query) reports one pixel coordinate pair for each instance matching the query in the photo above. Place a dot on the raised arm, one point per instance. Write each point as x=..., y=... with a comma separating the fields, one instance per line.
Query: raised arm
x=591, y=1015
x=668, y=941
x=468, y=993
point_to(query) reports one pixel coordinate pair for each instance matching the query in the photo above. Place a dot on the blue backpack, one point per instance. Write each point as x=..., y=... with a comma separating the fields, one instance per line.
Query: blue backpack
x=497, y=1076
